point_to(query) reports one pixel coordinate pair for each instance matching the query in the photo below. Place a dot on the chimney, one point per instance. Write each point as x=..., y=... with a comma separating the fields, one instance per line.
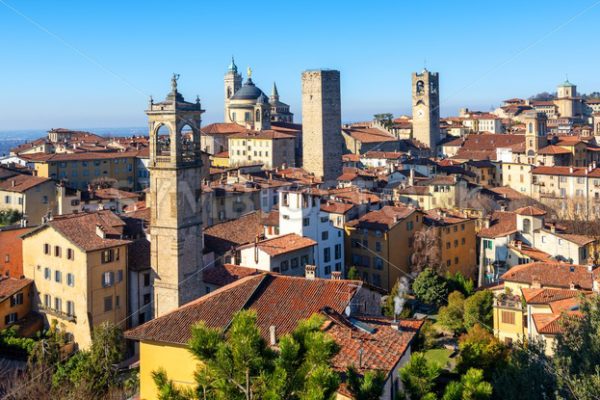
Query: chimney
x=310, y=272
x=13, y=183
x=272, y=335
x=336, y=275
x=553, y=227
x=520, y=245
x=411, y=177
x=572, y=285
x=536, y=283
x=486, y=222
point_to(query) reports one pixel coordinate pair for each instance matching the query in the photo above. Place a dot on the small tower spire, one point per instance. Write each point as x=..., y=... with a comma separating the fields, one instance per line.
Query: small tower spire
x=274, y=93
x=232, y=66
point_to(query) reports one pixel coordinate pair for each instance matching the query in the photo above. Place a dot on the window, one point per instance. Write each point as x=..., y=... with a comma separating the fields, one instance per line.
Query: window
x=58, y=304
x=526, y=225
x=378, y=263
x=46, y=248
x=147, y=279
x=462, y=241
x=70, y=279
x=378, y=246
x=294, y=263
x=107, y=256
x=47, y=274
x=57, y=251
x=120, y=276
x=117, y=301
x=70, y=254
x=16, y=300
x=57, y=276
x=305, y=222
x=508, y=317
x=10, y=318
x=487, y=244
x=448, y=245
x=327, y=269
x=409, y=225
x=107, y=279
x=303, y=260
x=147, y=298
x=324, y=235
x=285, y=265
x=327, y=254
x=455, y=260
x=108, y=303
x=338, y=251
x=47, y=301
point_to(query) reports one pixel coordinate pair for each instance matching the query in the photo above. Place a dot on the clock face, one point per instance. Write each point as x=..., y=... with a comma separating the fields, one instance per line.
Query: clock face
x=420, y=113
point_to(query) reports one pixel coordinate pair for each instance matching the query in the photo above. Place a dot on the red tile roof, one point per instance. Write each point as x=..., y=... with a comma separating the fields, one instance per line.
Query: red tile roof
x=10, y=286
x=22, y=183
x=383, y=219
x=82, y=229
x=283, y=244
x=369, y=135
x=530, y=211
x=502, y=223
x=225, y=274
x=381, y=350
x=222, y=128
x=220, y=238
x=553, y=275
x=278, y=300
x=547, y=295
x=266, y=134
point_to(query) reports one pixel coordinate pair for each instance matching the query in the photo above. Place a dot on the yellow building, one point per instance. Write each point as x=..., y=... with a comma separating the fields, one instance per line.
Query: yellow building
x=343, y=304
x=15, y=300
x=81, y=169
x=457, y=241
x=440, y=191
x=379, y=244
x=270, y=148
x=34, y=197
x=534, y=297
x=79, y=265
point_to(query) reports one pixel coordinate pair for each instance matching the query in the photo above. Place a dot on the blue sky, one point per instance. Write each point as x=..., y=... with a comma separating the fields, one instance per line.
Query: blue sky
x=93, y=64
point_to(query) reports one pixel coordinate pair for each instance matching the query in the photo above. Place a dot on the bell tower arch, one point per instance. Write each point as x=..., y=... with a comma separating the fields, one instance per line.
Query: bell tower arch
x=174, y=199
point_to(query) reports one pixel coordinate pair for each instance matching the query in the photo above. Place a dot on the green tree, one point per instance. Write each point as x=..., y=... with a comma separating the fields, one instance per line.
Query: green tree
x=419, y=377
x=9, y=217
x=480, y=349
x=460, y=283
x=527, y=374
x=478, y=309
x=167, y=390
x=470, y=387
x=353, y=274
x=427, y=337
x=238, y=364
x=451, y=316
x=92, y=371
x=365, y=387
x=578, y=350
x=430, y=288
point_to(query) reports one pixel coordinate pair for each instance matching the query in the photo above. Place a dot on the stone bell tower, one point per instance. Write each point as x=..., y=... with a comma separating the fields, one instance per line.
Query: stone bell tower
x=174, y=200
x=426, y=108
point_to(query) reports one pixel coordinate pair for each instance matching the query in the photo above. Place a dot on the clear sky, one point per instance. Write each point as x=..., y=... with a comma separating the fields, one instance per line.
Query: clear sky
x=94, y=63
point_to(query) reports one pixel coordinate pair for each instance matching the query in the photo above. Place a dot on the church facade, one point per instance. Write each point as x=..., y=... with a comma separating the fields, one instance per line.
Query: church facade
x=247, y=105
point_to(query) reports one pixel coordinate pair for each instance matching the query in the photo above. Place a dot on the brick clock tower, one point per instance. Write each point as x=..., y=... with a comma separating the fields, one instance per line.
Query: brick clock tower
x=174, y=200
x=426, y=108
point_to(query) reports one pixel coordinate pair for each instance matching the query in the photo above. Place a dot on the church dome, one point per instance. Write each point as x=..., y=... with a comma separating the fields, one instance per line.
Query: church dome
x=248, y=91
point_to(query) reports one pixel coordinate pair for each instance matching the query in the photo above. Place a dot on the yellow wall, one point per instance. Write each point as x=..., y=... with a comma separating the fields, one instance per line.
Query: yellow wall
x=176, y=360
x=395, y=248
x=21, y=309
x=504, y=330
x=87, y=292
x=462, y=255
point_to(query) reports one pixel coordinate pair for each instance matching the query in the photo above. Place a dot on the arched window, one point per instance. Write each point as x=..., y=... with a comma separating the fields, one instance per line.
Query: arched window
x=163, y=141
x=526, y=225
x=257, y=115
x=531, y=127
x=228, y=92
x=420, y=87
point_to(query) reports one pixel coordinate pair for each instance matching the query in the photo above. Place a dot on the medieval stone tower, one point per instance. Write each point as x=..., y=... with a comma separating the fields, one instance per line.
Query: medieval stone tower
x=322, y=142
x=536, y=133
x=426, y=108
x=175, y=181
x=233, y=82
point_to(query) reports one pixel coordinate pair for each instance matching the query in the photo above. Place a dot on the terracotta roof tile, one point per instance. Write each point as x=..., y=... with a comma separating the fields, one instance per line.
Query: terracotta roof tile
x=82, y=229
x=502, y=223
x=383, y=219
x=278, y=300
x=283, y=244
x=9, y=286
x=220, y=238
x=553, y=274
x=225, y=274
x=21, y=183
